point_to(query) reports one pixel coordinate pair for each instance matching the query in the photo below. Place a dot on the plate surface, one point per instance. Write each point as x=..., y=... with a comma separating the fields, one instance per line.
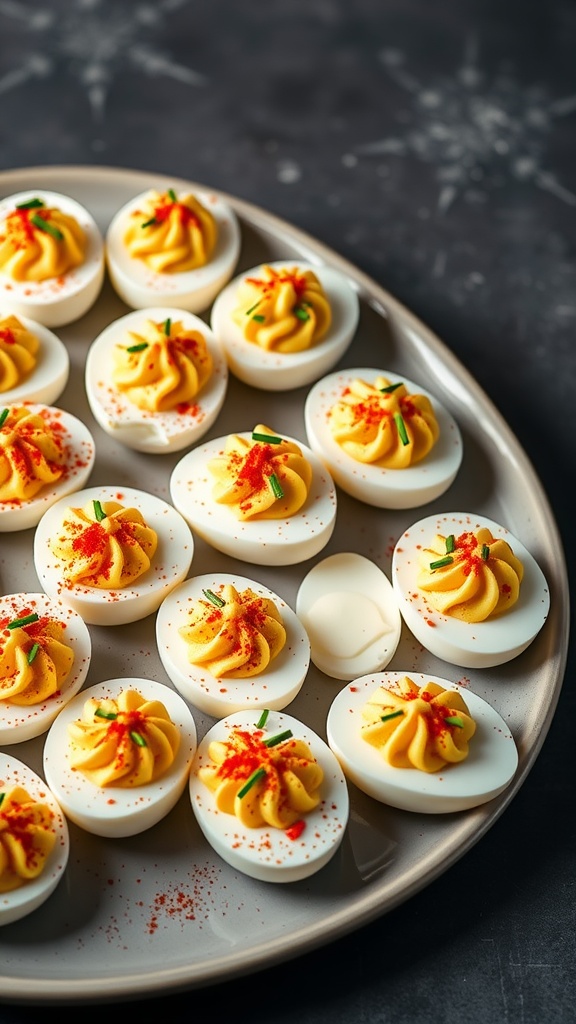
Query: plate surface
x=160, y=911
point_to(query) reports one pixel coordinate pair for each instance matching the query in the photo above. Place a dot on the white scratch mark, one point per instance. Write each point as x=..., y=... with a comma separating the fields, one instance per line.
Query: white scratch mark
x=35, y=66
x=288, y=172
x=548, y=183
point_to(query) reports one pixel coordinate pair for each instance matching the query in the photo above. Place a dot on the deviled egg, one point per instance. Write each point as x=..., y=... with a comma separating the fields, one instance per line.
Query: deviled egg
x=51, y=257
x=156, y=379
x=228, y=644
x=174, y=248
x=34, y=841
x=385, y=440
x=118, y=756
x=112, y=553
x=45, y=651
x=378, y=743
x=284, y=324
x=269, y=796
x=350, y=612
x=34, y=363
x=469, y=591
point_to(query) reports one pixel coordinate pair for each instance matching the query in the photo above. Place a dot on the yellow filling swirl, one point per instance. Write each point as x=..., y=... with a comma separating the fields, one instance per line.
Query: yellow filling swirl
x=128, y=741
x=163, y=367
x=423, y=727
x=284, y=310
x=27, y=837
x=32, y=454
x=35, y=660
x=171, y=235
x=18, y=351
x=40, y=242
x=471, y=577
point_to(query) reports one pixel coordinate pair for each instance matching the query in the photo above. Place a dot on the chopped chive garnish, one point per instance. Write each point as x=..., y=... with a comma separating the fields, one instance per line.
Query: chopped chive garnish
x=441, y=562
x=252, y=308
x=99, y=513
x=455, y=720
x=138, y=739
x=259, y=318
x=147, y=223
x=172, y=195
x=450, y=543
x=250, y=781
x=275, y=485
x=43, y=225
x=167, y=326
x=3, y=416
x=32, y=204
x=279, y=738
x=110, y=715
x=24, y=621
x=269, y=438
x=214, y=598
x=391, y=714
x=485, y=552
x=2, y=795
x=263, y=718
x=391, y=387
x=301, y=313
x=33, y=652
x=137, y=348
x=401, y=427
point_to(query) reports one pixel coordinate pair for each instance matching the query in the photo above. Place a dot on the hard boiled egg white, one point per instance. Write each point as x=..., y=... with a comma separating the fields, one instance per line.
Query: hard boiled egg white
x=22, y=901
x=57, y=300
x=263, y=541
x=80, y=451
x=274, y=688
x=193, y=290
x=372, y=484
x=350, y=612
x=472, y=645
x=117, y=811
x=278, y=371
x=170, y=563
x=269, y=854
x=49, y=377
x=138, y=428
x=490, y=766
x=23, y=722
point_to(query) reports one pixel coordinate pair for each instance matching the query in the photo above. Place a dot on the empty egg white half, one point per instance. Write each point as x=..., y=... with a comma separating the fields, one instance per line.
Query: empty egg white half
x=194, y=290
x=57, y=300
x=263, y=541
x=170, y=563
x=269, y=854
x=375, y=485
x=350, y=612
x=279, y=371
x=117, y=811
x=471, y=645
x=50, y=375
x=24, y=900
x=80, y=455
x=274, y=688
x=145, y=431
x=483, y=775
x=23, y=722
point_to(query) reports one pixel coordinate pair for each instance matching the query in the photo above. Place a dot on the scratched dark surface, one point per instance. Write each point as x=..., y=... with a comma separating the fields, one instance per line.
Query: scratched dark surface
x=433, y=146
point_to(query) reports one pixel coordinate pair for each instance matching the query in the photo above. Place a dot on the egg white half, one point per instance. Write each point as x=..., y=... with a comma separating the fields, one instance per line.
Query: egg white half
x=50, y=375
x=470, y=645
x=170, y=563
x=263, y=541
x=117, y=811
x=269, y=854
x=145, y=431
x=280, y=371
x=274, y=689
x=490, y=766
x=376, y=485
x=23, y=901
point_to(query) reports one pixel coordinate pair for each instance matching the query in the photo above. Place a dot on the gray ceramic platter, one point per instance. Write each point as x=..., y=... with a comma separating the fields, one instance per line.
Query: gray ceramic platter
x=160, y=911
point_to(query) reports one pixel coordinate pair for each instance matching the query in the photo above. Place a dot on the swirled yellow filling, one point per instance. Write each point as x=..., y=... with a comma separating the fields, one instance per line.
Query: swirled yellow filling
x=19, y=349
x=32, y=452
x=35, y=659
x=170, y=234
x=38, y=242
x=283, y=310
x=27, y=837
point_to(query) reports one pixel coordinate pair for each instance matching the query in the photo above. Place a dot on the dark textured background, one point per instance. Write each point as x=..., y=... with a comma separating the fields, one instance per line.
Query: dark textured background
x=432, y=144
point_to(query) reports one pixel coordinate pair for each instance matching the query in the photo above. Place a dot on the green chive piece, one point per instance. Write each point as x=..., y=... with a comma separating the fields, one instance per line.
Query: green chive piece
x=455, y=720
x=259, y=319
x=279, y=738
x=214, y=598
x=24, y=621
x=252, y=308
x=250, y=781
x=33, y=652
x=172, y=195
x=301, y=313
x=401, y=426
x=2, y=795
x=99, y=513
x=32, y=204
x=441, y=562
x=167, y=325
x=111, y=716
x=147, y=223
x=275, y=485
x=50, y=229
x=391, y=387
x=485, y=552
x=263, y=719
x=269, y=438
x=391, y=714
x=138, y=739
x=138, y=348
x=450, y=543
x=3, y=416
